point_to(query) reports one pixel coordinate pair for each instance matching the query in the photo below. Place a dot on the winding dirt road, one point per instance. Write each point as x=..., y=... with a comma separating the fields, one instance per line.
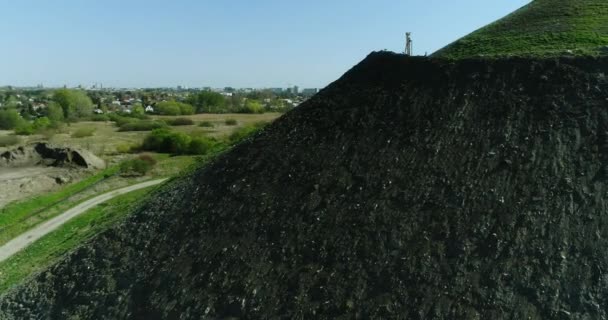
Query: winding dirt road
x=22, y=241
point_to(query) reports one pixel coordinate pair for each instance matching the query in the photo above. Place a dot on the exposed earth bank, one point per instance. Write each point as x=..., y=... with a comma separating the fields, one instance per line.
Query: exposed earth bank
x=410, y=188
x=33, y=169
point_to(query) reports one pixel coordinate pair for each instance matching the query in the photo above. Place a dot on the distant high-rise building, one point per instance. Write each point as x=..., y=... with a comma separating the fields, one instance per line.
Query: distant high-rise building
x=309, y=92
x=295, y=90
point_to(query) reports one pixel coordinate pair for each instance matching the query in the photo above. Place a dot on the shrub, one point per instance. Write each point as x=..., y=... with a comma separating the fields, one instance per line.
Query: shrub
x=180, y=122
x=41, y=124
x=9, y=119
x=177, y=143
x=24, y=128
x=200, y=145
x=174, y=108
x=252, y=106
x=231, y=122
x=206, y=124
x=147, y=158
x=154, y=140
x=124, y=148
x=166, y=141
x=139, y=166
x=121, y=120
x=186, y=109
x=7, y=141
x=100, y=117
x=54, y=112
x=141, y=126
x=83, y=132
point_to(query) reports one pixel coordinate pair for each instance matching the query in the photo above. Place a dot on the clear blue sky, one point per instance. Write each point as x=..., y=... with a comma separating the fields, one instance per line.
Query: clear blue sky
x=240, y=43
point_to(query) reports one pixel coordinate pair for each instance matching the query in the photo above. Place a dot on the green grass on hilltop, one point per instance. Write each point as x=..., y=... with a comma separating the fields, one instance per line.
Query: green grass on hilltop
x=543, y=28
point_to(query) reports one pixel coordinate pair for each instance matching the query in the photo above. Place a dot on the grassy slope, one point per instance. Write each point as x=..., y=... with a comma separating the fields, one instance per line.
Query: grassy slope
x=543, y=28
x=47, y=250
x=18, y=212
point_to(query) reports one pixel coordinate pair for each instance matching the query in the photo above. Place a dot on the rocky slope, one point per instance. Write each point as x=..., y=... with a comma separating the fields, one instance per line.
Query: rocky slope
x=410, y=188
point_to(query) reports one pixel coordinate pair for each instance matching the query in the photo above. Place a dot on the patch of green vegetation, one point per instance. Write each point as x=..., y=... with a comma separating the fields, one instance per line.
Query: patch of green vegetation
x=83, y=132
x=46, y=251
x=231, y=122
x=180, y=122
x=174, y=108
x=543, y=28
x=141, y=126
x=167, y=141
x=206, y=124
x=169, y=166
x=100, y=118
x=13, y=217
x=138, y=166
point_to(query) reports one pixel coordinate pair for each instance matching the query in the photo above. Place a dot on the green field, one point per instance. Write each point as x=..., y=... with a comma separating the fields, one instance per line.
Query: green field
x=106, y=141
x=543, y=28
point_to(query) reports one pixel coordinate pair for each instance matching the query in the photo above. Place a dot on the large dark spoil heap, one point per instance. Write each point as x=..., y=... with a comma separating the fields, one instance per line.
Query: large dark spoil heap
x=410, y=188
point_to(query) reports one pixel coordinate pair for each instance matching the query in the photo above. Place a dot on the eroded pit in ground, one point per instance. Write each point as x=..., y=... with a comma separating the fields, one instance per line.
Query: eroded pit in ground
x=29, y=170
x=44, y=154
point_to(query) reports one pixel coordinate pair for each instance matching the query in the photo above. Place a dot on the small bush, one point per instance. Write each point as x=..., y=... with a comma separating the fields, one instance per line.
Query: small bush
x=7, y=141
x=9, y=119
x=100, y=117
x=141, y=126
x=231, y=122
x=166, y=141
x=180, y=122
x=41, y=124
x=83, y=132
x=124, y=148
x=177, y=143
x=252, y=107
x=174, y=108
x=147, y=158
x=206, y=124
x=139, y=166
x=24, y=129
x=200, y=145
x=121, y=120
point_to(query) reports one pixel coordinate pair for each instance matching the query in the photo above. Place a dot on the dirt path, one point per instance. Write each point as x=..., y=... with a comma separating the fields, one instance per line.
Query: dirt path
x=28, y=237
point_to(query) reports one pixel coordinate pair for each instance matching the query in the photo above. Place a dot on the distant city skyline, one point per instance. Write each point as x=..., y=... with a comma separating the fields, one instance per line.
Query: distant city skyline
x=243, y=44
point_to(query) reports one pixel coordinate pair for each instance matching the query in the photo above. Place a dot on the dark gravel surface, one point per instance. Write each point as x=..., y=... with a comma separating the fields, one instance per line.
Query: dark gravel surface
x=409, y=189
